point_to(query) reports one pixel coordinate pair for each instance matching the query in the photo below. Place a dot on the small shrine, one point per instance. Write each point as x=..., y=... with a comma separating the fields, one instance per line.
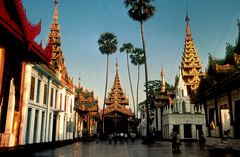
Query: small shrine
x=87, y=107
x=117, y=113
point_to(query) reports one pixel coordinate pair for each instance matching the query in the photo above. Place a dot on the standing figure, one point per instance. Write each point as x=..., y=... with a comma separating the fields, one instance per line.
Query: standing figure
x=178, y=142
x=173, y=135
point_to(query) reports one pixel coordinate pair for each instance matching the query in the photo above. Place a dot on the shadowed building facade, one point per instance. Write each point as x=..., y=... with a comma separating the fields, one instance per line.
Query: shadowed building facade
x=219, y=93
x=17, y=49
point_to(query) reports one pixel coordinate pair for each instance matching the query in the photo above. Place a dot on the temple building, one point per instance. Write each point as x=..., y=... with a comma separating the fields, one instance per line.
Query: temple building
x=17, y=50
x=176, y=111
x=87, y=112
x=219, y=93
x=49, y=111
x=117, y=113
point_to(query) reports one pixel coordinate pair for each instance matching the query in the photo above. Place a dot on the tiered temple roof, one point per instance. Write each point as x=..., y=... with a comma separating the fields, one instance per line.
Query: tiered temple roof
x=85, y=100
x=191, y=66
x=57, y=61
x=116, y=100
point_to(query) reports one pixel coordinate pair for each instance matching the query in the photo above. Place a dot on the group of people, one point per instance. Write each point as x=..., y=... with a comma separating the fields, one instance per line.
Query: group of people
x=121, y=137
x=175, y=141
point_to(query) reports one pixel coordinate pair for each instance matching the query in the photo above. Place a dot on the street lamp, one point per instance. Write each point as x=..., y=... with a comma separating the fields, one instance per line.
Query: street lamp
x=160, y=100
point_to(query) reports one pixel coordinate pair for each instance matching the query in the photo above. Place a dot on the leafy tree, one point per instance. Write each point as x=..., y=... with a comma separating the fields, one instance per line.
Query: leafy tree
x=141, y=11
x=107, y=45
x=128, y=48
x=229, y=58
x=137, y=58
x=154, y=87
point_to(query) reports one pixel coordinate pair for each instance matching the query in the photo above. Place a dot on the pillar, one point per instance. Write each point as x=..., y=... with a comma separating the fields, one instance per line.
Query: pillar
x=25, y=96
x=181, y=131
x=194, y=134
x=2, y=61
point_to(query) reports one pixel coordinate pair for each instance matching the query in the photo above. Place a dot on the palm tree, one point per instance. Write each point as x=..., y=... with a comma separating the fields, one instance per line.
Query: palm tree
x=141, y=11
x=128, y=48
x=137, y=58
x=107, y=45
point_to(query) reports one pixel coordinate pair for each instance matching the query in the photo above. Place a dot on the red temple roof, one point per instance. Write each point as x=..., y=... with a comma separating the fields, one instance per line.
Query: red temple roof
x=14, y=21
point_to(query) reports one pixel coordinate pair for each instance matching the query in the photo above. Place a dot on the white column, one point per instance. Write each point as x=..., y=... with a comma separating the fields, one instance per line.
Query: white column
x=31, y=128
x=170, y=128
x=25, y=98
x=181, y=131
x=10, y=110
x=194, y=136
x=2, y=61
x=180, y=106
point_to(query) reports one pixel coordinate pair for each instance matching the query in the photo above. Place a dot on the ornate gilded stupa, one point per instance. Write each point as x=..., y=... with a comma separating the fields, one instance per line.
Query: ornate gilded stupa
x=190, y=66
x=57, y=61
x=116, y=114
x=116, y=100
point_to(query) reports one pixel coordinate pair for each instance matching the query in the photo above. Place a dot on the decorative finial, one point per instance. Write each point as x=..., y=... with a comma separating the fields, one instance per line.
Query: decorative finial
x=187, y=19
x=163, y=87
x=55, y=15
x=116, y=66
x=79, y=83
x=163, y=71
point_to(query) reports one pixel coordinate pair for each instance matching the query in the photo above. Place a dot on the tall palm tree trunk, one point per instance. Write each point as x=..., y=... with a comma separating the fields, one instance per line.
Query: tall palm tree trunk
x=146, y=77
x=130, y=82
x=105, y=93
x=138, y=83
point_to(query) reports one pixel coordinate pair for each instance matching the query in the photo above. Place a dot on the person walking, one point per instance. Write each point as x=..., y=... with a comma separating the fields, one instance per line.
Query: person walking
x=178, y=142
x=173, y=136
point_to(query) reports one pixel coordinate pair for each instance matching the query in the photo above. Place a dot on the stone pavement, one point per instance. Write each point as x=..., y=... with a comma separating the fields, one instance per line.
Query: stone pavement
x=137, y=149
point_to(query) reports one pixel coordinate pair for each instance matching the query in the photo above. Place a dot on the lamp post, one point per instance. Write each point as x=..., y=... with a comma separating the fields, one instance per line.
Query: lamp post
x=160, y=100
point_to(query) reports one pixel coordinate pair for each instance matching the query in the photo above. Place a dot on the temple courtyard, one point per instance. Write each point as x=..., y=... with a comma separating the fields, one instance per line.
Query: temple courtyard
x=136, y=149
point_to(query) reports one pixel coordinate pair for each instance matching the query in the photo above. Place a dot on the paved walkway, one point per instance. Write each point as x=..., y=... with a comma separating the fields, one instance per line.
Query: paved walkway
x=103, y=149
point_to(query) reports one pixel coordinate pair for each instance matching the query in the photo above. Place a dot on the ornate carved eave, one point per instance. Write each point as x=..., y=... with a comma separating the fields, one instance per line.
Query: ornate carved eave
x=224, y=68
x=30, y=30
x=13, y=18
x=8, y=22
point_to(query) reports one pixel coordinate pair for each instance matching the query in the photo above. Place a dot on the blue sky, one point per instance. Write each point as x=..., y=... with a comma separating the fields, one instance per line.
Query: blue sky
x=213, y=24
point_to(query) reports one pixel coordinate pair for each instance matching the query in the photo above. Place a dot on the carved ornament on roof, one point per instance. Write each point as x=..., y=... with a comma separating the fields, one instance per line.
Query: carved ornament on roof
x=224, y=68
x=30, y=30
x=236, y=58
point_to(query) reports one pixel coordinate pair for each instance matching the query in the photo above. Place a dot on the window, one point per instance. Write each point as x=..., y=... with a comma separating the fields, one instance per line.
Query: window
x=65, y=104
x=51, y=98
x=29, y=116
x=38, y=90
x=61, y=101
x=187, y=131
x=35, y=127
x=32, y=88
x=71, y=106
x=45, y=95
x=56, y=98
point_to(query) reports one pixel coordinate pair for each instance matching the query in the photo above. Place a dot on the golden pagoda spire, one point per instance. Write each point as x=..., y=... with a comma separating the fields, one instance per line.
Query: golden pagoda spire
x=79, y=83
x=55, y=15
x=116, y=95
x=116, y=66
x=163, y=87
x=54, y=37
x=190, y=66
x=238, y=24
